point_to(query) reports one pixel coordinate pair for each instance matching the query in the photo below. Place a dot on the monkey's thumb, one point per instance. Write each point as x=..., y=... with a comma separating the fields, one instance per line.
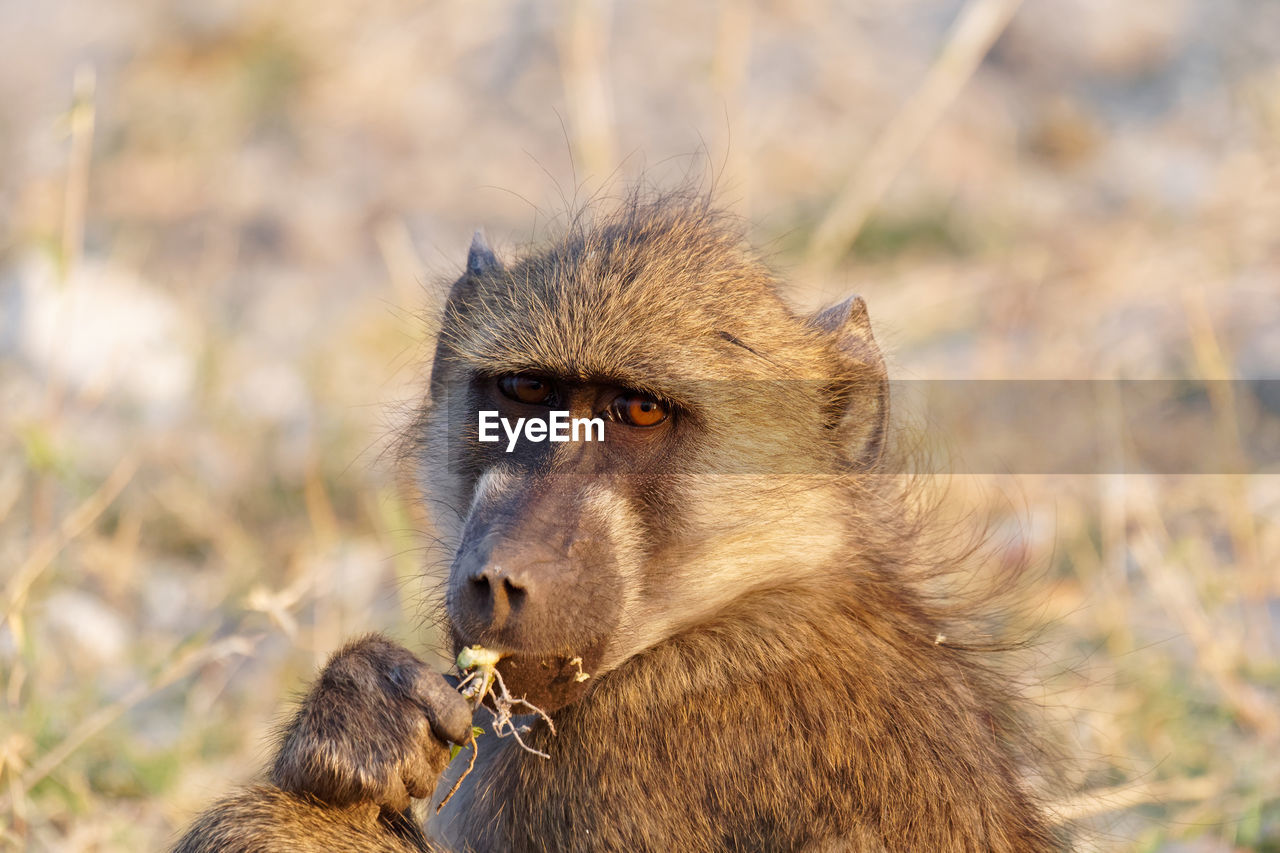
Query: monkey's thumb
x=449, y=713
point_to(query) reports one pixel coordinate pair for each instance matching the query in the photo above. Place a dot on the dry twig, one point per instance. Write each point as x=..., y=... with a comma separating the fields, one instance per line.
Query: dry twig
x=979, y=25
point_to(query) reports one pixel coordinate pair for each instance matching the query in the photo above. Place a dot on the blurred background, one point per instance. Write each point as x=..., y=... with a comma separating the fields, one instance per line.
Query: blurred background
x=224, y=226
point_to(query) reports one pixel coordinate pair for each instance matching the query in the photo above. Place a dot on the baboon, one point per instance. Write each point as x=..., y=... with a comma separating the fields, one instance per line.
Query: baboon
x=729, y=608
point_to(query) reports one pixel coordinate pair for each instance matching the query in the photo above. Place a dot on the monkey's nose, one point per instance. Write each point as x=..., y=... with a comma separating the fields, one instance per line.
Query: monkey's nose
x=496, y=595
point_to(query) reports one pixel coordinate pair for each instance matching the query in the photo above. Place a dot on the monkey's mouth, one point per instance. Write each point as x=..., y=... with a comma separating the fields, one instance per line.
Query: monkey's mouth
x=549, y=681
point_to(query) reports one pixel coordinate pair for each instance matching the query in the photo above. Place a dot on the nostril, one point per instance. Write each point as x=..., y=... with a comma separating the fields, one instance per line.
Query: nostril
x=491, y=596
x=515, y=592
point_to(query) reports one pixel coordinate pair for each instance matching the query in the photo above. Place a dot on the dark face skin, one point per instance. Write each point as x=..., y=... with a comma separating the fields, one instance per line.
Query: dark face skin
x=542, y=572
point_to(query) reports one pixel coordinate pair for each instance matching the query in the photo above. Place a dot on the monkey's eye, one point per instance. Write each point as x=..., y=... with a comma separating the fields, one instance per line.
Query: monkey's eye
x=639, y=410
x=526, y=389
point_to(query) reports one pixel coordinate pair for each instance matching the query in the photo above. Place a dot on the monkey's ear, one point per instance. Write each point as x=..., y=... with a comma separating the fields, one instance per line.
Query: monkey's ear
x=480, y=258
x=859, y=392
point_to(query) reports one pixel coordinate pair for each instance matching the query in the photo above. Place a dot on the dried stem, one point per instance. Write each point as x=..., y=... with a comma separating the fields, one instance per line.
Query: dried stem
x=979, y=25
x=475, y=750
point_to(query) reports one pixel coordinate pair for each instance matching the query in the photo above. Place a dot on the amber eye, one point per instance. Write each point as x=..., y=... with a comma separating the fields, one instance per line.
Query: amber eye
x=525, y=389
x=639, y=410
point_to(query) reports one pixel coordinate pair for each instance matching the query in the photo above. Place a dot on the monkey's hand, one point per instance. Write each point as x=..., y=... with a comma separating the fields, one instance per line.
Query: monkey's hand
x=374, y=729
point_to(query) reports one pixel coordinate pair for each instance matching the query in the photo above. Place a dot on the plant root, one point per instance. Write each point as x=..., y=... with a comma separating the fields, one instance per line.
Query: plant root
x=475, y=751
x=483, y=681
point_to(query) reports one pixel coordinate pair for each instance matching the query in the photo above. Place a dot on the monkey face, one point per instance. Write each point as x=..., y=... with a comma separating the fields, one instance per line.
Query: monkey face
x=725, y=433
x=550, y=546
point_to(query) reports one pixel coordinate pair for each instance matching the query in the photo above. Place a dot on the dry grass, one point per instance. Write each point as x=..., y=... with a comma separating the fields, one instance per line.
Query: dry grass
x=217, y=219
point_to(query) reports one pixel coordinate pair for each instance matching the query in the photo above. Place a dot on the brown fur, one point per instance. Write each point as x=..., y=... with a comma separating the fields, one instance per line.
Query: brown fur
x=263, y=819
x=776, y=726
x=772, y=664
